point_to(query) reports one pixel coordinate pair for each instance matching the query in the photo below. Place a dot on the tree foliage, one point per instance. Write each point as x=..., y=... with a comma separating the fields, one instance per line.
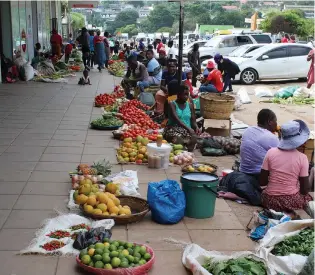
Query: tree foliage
x=160, y=16
x=124, y=18
x=290, y=21
x=77, y=20
x=165, y=29
x=130, y=29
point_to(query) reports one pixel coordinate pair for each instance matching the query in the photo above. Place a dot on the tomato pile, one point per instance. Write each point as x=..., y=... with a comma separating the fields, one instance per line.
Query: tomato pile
x=139, y=131
x=104, y=99
x=118, y=93
x=131, y=114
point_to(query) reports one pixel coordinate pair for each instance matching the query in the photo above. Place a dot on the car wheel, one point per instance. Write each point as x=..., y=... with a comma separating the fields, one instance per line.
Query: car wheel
x=248, y=76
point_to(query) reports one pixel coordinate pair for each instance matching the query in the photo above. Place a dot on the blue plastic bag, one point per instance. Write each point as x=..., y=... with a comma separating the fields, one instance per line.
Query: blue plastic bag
x=167, y=201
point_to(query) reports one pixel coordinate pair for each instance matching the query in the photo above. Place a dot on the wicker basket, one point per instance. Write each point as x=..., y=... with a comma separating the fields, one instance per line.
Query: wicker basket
x=216, y=106
x=138, y=206
x=117, y=135
x=139, y=270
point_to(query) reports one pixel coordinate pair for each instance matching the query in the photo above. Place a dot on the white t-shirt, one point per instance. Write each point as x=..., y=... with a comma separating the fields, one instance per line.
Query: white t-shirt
x=172, y=53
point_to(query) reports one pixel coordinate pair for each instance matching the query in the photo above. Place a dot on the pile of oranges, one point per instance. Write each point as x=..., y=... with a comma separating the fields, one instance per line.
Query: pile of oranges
x=105, y=204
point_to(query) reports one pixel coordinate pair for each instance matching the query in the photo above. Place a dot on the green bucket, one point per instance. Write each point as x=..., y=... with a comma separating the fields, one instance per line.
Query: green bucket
x=200, y=191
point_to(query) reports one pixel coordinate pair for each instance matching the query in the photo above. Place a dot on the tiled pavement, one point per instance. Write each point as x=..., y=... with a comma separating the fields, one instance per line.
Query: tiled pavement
x=43, y=135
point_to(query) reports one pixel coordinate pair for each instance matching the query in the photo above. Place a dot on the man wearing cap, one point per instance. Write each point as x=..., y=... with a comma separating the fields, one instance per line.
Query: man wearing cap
x=228, y=69
x=162, y=58
x=285, y=170
x=213, y=83
x=159, y=44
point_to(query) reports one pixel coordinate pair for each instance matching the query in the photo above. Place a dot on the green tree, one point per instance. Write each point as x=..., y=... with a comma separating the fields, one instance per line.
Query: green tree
x=135, y=3
x=77, y=20
x=160, y=17
x=130, y=29
x=289, y=21
x=124, y=18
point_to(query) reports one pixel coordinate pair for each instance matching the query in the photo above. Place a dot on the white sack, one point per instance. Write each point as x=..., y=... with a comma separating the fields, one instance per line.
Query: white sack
x=29, y=72
x=242, y=93
x=195, y=256
x=291, y=264
x=263, y=92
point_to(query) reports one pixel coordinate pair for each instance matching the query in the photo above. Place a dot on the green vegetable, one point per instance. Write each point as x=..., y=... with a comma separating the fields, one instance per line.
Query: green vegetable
x=294, y=100
x=240, y=266
x=301, y=244
x=106, y=122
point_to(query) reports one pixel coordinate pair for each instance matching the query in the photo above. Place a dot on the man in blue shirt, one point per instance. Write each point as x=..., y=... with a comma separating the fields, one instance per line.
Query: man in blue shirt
x=170, y=74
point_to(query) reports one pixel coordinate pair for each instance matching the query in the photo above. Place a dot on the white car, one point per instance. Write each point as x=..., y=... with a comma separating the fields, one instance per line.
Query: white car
x=238, y=52
x=225, y=44
x=274, y=61
x=190, y=46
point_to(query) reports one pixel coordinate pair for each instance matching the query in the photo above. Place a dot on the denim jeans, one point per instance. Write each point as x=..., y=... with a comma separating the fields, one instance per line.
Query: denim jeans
x=227, y=82
x=142, y=85
x=208, y=89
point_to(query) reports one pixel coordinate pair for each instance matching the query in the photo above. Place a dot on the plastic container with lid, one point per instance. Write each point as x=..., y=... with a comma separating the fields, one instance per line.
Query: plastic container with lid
x=163, y=151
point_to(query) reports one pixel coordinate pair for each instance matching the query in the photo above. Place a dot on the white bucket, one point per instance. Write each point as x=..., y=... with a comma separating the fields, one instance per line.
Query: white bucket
x=164, y=151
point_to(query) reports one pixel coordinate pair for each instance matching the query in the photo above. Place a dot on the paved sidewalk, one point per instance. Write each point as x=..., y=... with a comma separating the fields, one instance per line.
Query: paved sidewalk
x=44, y=134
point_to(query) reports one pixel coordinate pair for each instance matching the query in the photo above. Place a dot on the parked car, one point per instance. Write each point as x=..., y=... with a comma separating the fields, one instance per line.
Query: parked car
x=224, y=44
x=238, y=52
x=190, y=46
x=274, y=61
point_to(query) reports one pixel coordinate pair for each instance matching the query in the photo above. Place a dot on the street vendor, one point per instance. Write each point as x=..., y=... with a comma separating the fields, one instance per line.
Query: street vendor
x=285, y=170
x=170, y=74
x=214, y=82
x=162, y=58
x=256, y=141
x=137, y=76
x=154, y=70
x=181, y=126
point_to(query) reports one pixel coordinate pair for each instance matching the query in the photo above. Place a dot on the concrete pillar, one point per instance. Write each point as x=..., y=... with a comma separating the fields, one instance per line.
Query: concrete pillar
x=6, y=28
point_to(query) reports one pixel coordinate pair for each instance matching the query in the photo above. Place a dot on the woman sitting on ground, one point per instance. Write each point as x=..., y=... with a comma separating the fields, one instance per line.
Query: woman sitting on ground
x=285, y=170
x=181, y=126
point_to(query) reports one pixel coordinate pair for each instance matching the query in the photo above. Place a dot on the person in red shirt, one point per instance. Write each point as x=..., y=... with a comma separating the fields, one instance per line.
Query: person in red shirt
x=159, y=44
x=285, y=38
x=214, y=82
x=56, y=43
x=68, y=51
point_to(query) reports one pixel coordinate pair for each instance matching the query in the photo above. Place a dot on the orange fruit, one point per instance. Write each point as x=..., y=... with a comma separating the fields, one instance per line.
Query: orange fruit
x=114, y=210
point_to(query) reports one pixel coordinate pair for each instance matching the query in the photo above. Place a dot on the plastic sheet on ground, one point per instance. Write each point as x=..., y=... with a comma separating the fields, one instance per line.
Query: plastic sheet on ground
x=62, y=222
x=195, y=256
x=128, y=182
x=263, y=92
x=291, y=264
x=243, y=95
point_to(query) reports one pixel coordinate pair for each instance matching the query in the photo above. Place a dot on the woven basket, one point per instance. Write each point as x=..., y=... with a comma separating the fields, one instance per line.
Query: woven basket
x=117, y=135
x=138, y=206
x=139, y=270
x=216, y=106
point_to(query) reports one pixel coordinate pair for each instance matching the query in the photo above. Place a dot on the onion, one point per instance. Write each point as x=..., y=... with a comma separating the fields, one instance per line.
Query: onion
x=94, y=179
x=179, y=162
x=75, y=177
x=184, y=160
x=88, y=176
x=175, y=158
x=99, y=177
x=101, y=186
x=75, y=186
x=81, y=177
x=189, y=159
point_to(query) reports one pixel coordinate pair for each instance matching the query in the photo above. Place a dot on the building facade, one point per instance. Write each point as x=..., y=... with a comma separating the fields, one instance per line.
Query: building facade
x=24, y=23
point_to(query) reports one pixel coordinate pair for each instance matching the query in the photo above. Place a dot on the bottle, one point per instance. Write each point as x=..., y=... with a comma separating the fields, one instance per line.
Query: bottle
x=159, y=140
